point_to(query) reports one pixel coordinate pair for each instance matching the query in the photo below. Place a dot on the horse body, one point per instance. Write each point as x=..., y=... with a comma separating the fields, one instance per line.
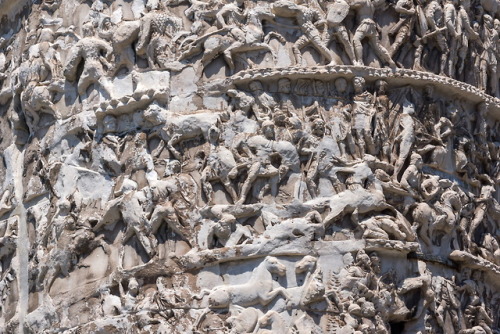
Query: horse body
x=258, y=290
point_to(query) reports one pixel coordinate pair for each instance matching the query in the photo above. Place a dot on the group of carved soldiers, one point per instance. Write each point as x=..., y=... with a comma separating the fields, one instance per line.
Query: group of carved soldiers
x=463, y=35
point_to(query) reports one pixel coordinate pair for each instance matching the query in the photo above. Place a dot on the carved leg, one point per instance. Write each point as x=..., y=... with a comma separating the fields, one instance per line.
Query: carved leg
x=392, y=228
x=84, y=83
x=381, y=52
x=252, y=176
x=358, y=46
x=266, y=298
x=230, y=189
x=206, y=185
x=323, y=50
x=343, y=38
x=299, y=44
x=336, y=213
x=424, y=233
x=170, y=145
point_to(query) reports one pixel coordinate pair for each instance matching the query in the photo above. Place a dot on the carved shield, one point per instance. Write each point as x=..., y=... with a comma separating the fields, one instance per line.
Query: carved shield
x=284, y=8
x=337, y=12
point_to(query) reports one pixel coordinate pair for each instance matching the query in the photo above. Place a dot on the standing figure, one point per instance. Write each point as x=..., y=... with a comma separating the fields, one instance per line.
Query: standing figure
x=367, y=28
x=404, y=140
x=362, y=114
x=435, y=22
x=337, y=12
x=381, y=120
x=404, y=27
x=308, y=19
x=220, y=162
x=340, y=119
x=259, y=152
x=467, y=33
x=488, y=59
x=90, y=51
x=451, y=21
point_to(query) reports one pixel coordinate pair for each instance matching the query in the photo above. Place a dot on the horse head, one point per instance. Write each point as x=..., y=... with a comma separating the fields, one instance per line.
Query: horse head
x=274, y=266
x=307, y=264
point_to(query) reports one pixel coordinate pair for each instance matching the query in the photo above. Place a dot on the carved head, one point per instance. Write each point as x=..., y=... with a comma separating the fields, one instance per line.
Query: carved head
x=466, y=272
x=408, y=107
x=476, y=275
x=354, y=309
x=341, y=85
x=255, y=86
x=429, y=90
x=268, y=129
x=375, y=261
x=368, y=309
x=294, y=123
x=110, y=124
x=416, y=160
x=308, y=263
x=381, y=86
x=88, y=29
x=319, y=87
x=279, y=119
x=141, y=139
x=284, y=85
x=174, y=167
x=106, y=23
x=362, y=259
x=213, y=134
x=275, y=266
x=359, y=85
x=318, y=127
x=133, y=286
x=488, y=21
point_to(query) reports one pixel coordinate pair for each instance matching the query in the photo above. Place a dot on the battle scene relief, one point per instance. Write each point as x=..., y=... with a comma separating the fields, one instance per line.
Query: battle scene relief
x=250, y=166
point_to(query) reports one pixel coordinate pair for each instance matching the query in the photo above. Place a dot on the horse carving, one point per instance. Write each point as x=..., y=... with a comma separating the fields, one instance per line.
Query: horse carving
x=258, y=290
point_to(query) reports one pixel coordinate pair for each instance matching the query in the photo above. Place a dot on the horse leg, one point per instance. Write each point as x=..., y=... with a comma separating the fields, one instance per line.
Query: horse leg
x=228, y=55
x=170, y=145
x=268, y=48
x=201, y=317
x=337, y=211
x=266, y=298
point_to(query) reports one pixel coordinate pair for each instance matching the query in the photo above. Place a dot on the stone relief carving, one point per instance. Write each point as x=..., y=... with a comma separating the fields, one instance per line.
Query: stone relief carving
x=250, y=167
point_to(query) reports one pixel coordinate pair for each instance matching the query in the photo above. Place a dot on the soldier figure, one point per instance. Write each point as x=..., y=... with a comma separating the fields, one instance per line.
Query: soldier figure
x=367, y=28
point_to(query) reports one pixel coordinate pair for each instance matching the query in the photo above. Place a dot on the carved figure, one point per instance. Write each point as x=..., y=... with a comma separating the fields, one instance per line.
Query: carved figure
x=308, y=19
x=121, y=36
x=38, y=94
x=362, y=114
x=336, y=13
x=259, y=290
x=220, y=164
x=488, y=59
x=406, y=136
x=403, y=29
x=226, y=228
x=157, y=30
x=258, y=163
x=90, y=51
x=367, y=29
